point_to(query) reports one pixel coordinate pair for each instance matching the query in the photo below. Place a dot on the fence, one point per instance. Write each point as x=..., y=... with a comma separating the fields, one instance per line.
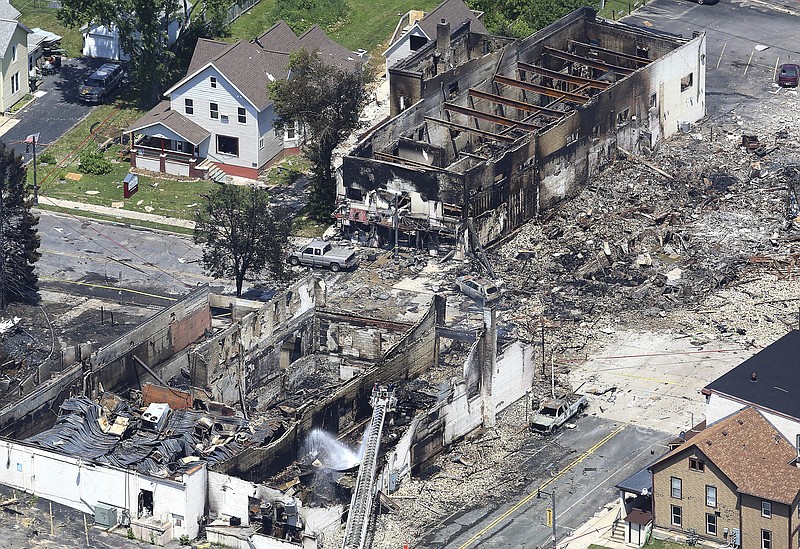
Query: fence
x=238, y=8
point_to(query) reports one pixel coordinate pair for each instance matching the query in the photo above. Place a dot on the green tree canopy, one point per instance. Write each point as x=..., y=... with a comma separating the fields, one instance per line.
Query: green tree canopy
x=19, y=238
x=521, y=18
x=241, y=234
x=326, y=101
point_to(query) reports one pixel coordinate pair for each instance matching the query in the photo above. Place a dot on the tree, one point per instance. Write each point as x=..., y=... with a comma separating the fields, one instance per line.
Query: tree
x=521, y=18
x=19, y=239
x=241, y=234
x=326, y=101
x=142, y=26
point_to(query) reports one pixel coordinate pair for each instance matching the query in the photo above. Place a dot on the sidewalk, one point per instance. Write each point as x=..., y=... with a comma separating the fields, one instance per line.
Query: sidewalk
x=120, y=213
x=597, y=531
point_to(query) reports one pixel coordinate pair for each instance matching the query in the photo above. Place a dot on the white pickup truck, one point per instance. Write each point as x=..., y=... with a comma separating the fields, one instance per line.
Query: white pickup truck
x=319, y=253
x=557, y=411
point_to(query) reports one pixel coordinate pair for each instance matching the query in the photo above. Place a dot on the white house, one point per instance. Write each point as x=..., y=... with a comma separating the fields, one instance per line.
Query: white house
x=219, y=119
x=14, y=56
x=765, y=381
x=416, y=28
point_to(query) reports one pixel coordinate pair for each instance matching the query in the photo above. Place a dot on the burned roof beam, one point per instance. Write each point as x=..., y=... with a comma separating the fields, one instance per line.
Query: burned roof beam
x=596, y=84
x=502, y=120
x=476, y=131
x=400, y=160
x=550, y=92
x=635, y=58
x=593, y=63
x=521, y=105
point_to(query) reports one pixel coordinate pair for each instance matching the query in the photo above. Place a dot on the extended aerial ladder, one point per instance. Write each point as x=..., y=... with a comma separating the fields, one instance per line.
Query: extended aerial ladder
x=355, y=535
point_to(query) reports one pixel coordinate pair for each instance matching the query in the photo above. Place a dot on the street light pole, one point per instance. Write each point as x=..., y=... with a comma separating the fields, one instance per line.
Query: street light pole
x=552, y=495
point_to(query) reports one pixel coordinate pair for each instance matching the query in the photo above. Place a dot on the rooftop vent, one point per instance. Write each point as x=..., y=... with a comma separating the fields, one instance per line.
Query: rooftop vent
x=754, y=377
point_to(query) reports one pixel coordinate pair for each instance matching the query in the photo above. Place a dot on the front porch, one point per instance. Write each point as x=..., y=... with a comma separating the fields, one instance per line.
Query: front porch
x=166, y=156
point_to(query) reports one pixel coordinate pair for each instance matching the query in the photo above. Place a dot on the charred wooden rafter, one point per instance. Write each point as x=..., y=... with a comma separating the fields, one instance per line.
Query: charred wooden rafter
x=521, y=105
x=593, y=63
x=400, y=160
x=476, y=131
x=596, y=84
x=544, y=90
x=635, y=58
x=502, y=120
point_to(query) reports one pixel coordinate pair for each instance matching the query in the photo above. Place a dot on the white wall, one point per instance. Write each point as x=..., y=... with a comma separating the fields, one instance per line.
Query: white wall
x=513, y=375
x=402, y=48
x=82, y=485
x=199, y=90
x=273, y=144
x=228, y=497
x=719, y=407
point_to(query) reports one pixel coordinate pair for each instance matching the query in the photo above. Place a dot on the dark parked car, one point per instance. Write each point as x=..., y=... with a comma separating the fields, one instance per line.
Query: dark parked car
x=101, y=83
x=788, y=74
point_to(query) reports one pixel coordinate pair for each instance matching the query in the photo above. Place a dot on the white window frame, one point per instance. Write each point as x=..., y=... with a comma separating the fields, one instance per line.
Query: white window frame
x=766, y=539
x=213, y=109
x=212, y=81
x=766, y=509
x=711, y=519
x=261, y=143
x=679, y=514
x=188, y=106
x=711, y=496
x=675, y=486
x=13, y=54
x=241, y=113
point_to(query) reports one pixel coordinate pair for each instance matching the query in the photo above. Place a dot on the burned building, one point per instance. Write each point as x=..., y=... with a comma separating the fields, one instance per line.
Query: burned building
x=488, y=132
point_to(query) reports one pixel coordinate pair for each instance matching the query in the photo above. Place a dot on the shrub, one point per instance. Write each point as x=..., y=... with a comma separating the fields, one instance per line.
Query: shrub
x=93, y=162
x=46, y=158
x=184, y=540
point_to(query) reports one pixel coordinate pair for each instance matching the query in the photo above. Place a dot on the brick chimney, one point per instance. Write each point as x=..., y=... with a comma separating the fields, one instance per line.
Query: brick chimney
x=443, y=38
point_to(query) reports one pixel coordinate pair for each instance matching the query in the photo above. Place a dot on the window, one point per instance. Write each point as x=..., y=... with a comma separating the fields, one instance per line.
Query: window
x=686, y=81
x=188, y=106
x=711, y=496
x=675, y=487
x=13, y=53
x=242, y=115
x=213, y=81
x=290, y=133
x=261, y=143
x=417, y=42
x=317, y=251
x=228, y=145
x=766, y=509
x=711, y=524
x=653, y=101
x=766, y=539
x=622, y=117
x=15, y=83
x=696, y=465
x=677, y=516
x=214, y=110
x=642, y=51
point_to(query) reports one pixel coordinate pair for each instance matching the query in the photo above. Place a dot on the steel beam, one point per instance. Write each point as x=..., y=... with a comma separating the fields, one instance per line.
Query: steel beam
x=594, y=63
x=521, y=105
x=476, y=131
x=550, y=92
x=596, y=84
x=628, y=56
x=502, y=120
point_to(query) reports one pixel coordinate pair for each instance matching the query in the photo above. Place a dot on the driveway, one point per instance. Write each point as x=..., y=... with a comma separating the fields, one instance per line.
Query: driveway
x=55, y=112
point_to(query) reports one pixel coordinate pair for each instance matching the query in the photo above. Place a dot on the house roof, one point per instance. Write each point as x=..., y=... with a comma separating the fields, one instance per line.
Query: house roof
x=172, y=120
x=640, y=482
x=776, y=368
x=7, y=11
x=454, y=12
x=251, y=66
x=748, y=449
x=7, y=29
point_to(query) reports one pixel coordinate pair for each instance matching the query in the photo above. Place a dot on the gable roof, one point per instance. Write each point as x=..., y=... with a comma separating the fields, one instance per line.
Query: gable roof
x=7, y=29
x=204, y=51
x=776, y=367
x=172, y=120
x=454, y=12
x=7, y=11
x=251, y=66
x=748, y=449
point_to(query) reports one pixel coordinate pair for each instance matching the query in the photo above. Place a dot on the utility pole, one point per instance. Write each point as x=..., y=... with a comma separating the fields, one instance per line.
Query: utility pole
x=552, y=510
x=35, y=182
x=396, y=223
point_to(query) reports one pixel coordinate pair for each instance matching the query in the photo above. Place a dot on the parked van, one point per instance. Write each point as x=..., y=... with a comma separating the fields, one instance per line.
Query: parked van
x=101, y=83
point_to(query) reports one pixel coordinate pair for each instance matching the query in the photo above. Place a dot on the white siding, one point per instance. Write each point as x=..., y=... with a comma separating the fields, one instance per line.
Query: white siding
x=11, y=66
x=273, y=144
x=402, y=48
x=229, y=100
x=82, y=485
x=719, y=407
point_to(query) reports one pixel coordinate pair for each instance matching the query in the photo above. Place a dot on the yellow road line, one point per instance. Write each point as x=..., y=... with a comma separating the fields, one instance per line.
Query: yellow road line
x=109, y=288
x=527, y=498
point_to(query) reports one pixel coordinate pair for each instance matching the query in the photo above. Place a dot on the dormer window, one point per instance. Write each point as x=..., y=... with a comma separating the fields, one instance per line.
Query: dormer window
x=213, y=81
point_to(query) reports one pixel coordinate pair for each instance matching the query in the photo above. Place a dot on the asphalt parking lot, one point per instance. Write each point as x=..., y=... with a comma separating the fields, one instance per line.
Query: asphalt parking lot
x=55, y=112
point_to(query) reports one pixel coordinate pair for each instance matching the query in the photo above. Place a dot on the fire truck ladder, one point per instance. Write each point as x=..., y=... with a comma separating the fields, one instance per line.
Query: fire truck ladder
x=364, y=494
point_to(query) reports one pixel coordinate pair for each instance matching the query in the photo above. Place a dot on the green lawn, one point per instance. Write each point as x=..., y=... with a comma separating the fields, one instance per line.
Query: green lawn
x=616, y=9
x=368, y=24
x=36, y=13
